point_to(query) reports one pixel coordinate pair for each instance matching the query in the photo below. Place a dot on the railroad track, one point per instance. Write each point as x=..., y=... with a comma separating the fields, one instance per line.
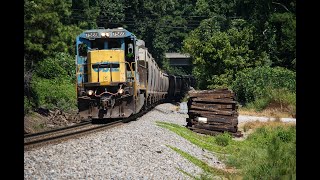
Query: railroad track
x=58, y=135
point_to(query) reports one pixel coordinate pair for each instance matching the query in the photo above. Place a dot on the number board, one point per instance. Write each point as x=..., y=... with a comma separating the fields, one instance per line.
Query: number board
x=118, y=33
x=92, y=34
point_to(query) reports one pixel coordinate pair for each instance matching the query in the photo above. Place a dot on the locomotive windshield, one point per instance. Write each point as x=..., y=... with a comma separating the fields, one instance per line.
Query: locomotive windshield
x=99, y=44
x=114, y=44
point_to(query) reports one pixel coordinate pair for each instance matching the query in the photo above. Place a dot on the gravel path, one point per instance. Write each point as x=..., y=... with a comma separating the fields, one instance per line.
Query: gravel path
x=136, y=150
x=245, y=118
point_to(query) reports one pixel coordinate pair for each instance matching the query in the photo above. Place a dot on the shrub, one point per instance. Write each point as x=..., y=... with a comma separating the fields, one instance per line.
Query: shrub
x=250, y=84
x=280, y=162
x=282, y=99
x=27, y=105
x=258, y=104
x=60, y=65
x=55, y=93
x=268, y=153
x=30, y=96
x=223, y=139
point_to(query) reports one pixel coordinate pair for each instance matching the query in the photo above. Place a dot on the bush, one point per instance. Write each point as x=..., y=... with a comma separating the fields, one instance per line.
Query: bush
x=280, y=159
x=53, y=83
x=55, y=93
x=223, y=139
x=27, y=105
x=259, y=104
x=61, y=65
x=282, y=99
x=250, y=84
x=30, y=96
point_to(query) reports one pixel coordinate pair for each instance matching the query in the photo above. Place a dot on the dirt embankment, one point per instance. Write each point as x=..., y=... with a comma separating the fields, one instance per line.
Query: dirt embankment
x=44, y=119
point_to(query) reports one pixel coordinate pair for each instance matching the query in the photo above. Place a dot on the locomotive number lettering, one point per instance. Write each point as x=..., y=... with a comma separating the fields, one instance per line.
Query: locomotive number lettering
x=91, y=34
x=118, y=33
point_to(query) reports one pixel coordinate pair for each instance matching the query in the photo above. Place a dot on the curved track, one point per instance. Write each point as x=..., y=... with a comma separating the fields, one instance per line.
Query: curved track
x=58, y=135
x=89, y=126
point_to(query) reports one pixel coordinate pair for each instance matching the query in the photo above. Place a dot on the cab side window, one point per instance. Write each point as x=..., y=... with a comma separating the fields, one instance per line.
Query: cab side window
x=82, y=49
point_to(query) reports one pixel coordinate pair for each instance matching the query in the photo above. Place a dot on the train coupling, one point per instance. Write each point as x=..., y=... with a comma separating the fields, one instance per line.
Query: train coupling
x=108, y=102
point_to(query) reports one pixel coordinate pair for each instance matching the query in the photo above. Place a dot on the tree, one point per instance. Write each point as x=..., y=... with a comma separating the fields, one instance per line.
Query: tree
x=274, y=28
x=45, y=31
x=111, y=13
x=217, y=56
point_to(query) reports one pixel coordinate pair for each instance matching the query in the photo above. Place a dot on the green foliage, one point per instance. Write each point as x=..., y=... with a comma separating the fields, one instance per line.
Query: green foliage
x=213, y=7
x=27, y=105
x=282, y=99
x=204, y=142
x=55, y=93
x=283, y=96
x=185, y=98
x=30, y=96
x=268, y=153
x=47, y=29
x=223, y=139
x=258, y=104
x=263, y=33
x=254, y=83
x=274, y=29
x=279, y=159
x=85, y=13
x=61, y=65
x=283, y=40
x=209, y=171
x=219, y=55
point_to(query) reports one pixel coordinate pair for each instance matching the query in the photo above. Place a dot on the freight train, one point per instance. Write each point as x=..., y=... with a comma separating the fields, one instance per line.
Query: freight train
x=117, y=76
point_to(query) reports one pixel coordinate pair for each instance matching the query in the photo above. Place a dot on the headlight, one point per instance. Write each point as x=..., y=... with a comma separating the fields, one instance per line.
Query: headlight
x=103, y=34
x=107, y=34
x=90, y=92
x=120, y=91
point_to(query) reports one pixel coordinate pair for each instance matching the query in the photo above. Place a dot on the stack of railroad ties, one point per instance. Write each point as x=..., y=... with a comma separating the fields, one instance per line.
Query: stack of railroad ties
x=213, y=112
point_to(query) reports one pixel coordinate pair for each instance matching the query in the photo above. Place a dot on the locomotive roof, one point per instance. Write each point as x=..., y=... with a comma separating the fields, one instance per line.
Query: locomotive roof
x=113, y=33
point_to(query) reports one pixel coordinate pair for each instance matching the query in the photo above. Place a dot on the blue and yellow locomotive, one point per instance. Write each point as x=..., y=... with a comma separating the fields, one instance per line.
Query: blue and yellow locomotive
x=116, y=75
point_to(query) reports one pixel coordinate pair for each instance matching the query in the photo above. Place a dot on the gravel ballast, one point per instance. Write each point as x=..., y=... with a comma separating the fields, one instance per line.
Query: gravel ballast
x=136, y=150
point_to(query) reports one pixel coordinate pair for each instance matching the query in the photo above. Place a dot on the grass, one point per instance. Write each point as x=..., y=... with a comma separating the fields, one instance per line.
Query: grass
x=204, y=142
x=266, y=112
x=185, y=98
x=39, y=127
x=268, y=153
x=275, y=103
x=186, y=173
x=258, y=124
x=209, y=171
